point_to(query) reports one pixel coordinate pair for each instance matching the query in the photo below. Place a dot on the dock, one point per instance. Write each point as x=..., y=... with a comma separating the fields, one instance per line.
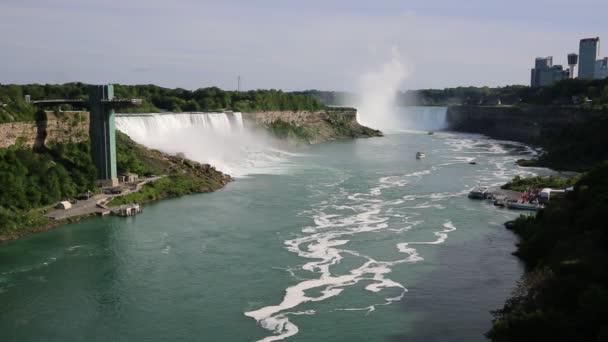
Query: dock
x=127, y=210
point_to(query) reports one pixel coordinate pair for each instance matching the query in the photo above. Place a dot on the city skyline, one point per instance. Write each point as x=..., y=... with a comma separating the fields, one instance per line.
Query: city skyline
x=271, y=44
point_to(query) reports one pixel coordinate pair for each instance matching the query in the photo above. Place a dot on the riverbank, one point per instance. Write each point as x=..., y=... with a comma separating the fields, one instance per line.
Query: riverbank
x=182, y=177
x=563, y=296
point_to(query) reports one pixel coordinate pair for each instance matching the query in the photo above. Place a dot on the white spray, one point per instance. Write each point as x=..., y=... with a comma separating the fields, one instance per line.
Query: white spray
x=378, y=90
x=215, y=138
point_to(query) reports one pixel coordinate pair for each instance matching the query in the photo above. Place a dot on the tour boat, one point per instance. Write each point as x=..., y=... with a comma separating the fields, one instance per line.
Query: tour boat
x=524, y=206
x=478, y=193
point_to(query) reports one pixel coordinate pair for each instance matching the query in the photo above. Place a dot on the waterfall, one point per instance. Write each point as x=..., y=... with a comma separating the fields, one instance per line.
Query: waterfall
x=422, y=118
x=219, y=139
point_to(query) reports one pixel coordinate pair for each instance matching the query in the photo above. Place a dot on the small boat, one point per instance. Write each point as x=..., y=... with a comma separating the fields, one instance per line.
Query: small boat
x=524, y=206
x=430, y=133
x=472, y=163
x=420, y=155
x=478, y=193
x=499, y=203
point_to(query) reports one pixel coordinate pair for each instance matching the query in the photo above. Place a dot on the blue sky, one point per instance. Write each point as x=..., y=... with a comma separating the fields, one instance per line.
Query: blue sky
x=288, y=44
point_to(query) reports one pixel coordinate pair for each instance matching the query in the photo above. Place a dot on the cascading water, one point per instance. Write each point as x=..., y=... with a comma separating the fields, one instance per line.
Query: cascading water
x=421, y=118
x=219, y=139
x=377, y=108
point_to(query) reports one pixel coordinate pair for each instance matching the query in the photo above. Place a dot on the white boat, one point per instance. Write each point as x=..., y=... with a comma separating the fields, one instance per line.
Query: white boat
x=524, y=206
x=420, y=155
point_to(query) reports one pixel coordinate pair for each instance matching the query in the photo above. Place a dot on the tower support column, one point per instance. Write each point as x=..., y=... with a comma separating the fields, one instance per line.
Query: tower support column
x=102, y=131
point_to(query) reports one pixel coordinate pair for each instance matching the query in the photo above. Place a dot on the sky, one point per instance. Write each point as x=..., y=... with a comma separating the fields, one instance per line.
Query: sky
x=288, y=44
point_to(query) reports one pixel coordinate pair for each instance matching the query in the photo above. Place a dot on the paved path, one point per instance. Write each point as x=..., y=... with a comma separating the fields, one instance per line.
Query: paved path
x=87, y=207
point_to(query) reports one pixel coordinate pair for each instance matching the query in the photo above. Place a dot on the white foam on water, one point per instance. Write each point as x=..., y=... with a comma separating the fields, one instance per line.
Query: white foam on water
x=341, y=215
x=325, y=245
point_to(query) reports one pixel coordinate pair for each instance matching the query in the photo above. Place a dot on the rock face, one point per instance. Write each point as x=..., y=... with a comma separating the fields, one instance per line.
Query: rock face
x=57, y=128
x=314, y=126
x=521, y=123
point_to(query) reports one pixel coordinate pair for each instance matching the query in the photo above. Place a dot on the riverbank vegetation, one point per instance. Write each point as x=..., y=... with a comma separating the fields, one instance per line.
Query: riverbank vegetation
x=563, y=295
x=33, y=181
x=582, y=92
x=556, y=182
x=577, y=147
x=155, y=99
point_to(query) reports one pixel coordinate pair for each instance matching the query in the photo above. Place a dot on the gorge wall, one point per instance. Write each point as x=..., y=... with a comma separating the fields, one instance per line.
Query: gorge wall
x=521, y=123
x=312, y=126
x=55, y=128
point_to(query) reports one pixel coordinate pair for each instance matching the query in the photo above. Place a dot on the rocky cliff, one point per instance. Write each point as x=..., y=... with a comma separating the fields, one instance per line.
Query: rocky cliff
x=521, y=123
x=311, y=126
x=53, y=128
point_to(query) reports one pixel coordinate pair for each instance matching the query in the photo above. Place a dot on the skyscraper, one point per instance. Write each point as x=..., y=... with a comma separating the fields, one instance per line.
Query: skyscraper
x=545, y=73
x=589, y=51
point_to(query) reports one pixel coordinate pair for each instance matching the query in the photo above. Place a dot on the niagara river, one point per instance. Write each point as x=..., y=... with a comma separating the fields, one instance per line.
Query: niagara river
x=353, y=240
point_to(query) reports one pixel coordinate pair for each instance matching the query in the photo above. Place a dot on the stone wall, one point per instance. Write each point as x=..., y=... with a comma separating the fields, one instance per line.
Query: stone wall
x=57, y=128
x=521, y=123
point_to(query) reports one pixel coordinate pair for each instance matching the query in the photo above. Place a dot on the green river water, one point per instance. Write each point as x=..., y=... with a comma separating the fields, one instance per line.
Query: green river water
x=353, y=241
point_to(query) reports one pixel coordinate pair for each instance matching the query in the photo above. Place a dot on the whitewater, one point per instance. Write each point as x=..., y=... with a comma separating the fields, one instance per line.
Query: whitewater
x=219, y=139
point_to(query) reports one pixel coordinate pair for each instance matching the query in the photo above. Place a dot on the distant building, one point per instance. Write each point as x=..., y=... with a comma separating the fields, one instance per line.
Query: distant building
x=545, y=73
x=572, y=62
x=65, y=205
x=601, y=68
x=589, y=50
x=128, y=177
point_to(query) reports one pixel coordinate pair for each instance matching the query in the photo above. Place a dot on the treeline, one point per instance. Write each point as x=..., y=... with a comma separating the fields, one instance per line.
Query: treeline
x=155, y=99
x=461, y=95
x=564, y=294
x=591, y=93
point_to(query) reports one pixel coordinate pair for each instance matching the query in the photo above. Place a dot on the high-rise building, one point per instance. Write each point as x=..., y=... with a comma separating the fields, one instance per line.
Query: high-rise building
x=572, y=62
x=601, y=68
x=589, y=51
x=545, y=73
